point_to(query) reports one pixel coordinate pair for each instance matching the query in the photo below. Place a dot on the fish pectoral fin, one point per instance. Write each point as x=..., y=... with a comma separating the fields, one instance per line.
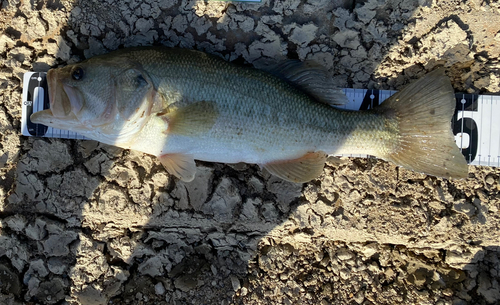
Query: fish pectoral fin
x=180, y=165
x=192, y=119
x=299, y=170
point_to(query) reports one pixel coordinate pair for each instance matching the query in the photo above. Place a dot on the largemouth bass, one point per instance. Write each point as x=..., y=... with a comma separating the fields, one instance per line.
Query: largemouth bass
x=185, y=105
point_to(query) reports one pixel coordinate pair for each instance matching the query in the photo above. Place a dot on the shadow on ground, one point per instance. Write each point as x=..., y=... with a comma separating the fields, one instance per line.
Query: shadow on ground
x=91, y=224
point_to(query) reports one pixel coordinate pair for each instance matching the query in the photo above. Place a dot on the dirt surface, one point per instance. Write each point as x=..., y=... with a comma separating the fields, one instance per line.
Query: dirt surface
x=86, y=223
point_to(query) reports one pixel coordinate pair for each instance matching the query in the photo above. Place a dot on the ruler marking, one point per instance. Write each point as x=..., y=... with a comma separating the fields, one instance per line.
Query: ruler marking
x=372, y=97
x=498, y=137
x=491, y=128
x=472, y=117
x=479, y=137
x=462, y=123
x=37, y=103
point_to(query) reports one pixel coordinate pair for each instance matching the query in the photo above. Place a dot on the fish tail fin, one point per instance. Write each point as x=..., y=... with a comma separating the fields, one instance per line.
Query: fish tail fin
x=425, y=142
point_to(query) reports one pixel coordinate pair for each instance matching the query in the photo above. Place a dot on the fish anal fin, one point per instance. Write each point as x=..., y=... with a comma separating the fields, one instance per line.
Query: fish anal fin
x=335, y=161
x=299, y=170
x=192, y=119
x=180, y=165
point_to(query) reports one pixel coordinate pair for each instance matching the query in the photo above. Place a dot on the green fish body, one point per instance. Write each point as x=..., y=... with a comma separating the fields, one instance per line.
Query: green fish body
x=184, y=105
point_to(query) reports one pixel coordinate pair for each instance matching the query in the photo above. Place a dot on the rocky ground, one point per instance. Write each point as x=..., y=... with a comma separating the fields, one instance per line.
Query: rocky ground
x=85, y=223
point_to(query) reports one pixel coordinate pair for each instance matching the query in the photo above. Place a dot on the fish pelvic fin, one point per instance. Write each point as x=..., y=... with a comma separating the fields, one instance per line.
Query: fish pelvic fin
x=425, y=143
x=300, y=170
x=180, y=165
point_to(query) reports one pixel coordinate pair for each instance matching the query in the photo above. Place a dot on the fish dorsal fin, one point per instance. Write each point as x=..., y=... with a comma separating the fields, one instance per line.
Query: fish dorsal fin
x=180, y=165
x=312, y=78
x=299, y=170
x=192, y=119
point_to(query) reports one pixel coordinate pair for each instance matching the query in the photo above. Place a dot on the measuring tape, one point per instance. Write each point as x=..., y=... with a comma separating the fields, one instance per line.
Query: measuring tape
x=474, y=123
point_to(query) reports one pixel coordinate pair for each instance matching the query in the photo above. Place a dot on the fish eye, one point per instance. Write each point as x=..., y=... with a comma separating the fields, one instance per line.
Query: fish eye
x=77, y=73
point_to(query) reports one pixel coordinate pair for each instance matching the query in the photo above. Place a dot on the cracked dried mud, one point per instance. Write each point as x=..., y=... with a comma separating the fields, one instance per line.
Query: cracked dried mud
x=86, y=223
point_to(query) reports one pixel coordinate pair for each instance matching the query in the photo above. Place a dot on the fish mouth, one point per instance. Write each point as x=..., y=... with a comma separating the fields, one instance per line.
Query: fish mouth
x=65, y=102
x=47, y=118
x=63, y=98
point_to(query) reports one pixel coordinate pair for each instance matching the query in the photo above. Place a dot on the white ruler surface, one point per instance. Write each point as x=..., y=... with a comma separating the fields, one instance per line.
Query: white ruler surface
x=476, y=122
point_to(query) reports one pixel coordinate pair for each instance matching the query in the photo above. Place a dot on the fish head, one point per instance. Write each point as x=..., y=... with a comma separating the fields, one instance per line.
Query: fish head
x=109, y=95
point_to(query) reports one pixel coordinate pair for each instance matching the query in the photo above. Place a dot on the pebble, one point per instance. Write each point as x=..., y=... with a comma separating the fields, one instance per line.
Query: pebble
x=344, y=254
x=302, y=35
x=235, y=282
x=143, y=25
x=87, y=216
x=159, y=289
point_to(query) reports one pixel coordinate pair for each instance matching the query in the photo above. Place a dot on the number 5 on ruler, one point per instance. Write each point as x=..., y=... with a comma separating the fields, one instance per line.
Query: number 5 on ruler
x=477, y=129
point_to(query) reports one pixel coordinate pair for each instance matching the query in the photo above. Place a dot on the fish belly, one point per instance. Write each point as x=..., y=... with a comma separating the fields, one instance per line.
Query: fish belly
x=258, y=135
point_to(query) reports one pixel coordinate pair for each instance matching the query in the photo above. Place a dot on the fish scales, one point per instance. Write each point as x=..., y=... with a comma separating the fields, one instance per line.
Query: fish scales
x=182, y=105
x=265, y=112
